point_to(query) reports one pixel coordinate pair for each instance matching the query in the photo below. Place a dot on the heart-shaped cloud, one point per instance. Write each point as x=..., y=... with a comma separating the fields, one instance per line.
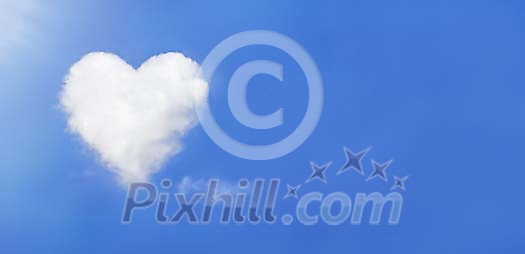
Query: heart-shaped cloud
x=133, y=119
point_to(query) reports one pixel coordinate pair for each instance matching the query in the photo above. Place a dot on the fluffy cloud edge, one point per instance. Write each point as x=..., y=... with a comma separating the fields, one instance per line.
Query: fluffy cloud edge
x=134, y=119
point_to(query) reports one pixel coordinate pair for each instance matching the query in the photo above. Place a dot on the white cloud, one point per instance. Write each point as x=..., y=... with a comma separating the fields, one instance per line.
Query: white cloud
x=133, y=119
x=189, y=185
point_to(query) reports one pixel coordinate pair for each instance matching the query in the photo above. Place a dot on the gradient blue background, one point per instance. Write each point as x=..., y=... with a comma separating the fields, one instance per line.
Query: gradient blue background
x=436, y=85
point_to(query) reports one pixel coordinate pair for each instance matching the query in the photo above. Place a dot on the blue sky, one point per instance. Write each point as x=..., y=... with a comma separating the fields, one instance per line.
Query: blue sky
x=435, y=85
